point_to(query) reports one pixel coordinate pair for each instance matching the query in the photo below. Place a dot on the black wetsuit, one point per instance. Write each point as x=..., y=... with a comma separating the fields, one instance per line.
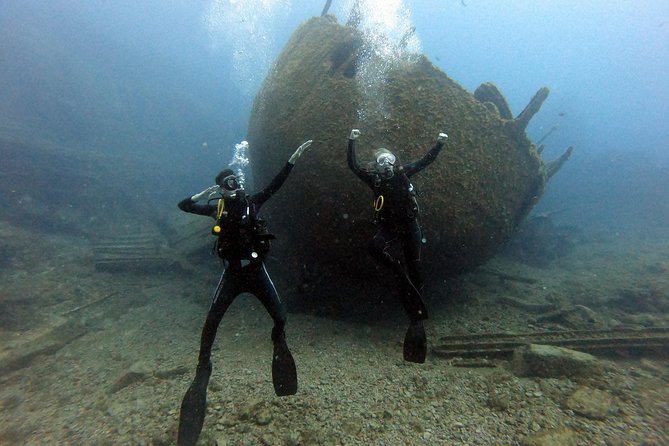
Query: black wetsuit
x=242, y=244
x=243, y=273
x=397, y=219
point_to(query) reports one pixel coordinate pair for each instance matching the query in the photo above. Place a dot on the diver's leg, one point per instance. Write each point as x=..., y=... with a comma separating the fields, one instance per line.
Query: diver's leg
x=379, y=248
x=412, y=298
x=194, y=402
x=415, y=341
x=415, y=344
x=284, y=372
x=412, y=245
x=410, y=291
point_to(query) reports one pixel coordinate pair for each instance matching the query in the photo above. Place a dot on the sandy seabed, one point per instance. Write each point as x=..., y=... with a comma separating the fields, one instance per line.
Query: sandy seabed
x=91, y=358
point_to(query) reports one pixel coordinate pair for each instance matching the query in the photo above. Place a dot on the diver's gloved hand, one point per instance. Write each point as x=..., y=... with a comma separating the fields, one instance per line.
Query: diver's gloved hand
x=442, y=138
x=355, y=134
x=207, y=193
x=298, y=152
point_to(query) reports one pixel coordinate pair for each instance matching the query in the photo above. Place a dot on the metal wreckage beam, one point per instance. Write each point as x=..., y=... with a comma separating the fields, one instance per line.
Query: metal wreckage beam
x=130, y=252
x=626, y=342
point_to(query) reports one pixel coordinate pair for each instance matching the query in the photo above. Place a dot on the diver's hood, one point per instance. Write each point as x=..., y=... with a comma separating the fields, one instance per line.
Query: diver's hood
x=384, y=157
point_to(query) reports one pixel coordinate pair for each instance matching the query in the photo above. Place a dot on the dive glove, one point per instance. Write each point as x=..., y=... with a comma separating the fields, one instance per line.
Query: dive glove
x=298, y=152
x=207, y=193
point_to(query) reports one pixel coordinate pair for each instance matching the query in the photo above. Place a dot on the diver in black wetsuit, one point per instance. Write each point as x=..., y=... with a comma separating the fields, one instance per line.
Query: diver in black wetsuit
x=242, y=243
x=396, y=215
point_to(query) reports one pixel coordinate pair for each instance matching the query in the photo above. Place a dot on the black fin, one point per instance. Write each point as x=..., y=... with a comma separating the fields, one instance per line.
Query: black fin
x=284, y=372
x=415, y=343
x=193, y=408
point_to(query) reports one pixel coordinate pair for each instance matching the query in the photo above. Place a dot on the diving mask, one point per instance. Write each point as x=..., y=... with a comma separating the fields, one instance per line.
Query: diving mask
x=230, y=186
x=386, y=159
x=230, y=183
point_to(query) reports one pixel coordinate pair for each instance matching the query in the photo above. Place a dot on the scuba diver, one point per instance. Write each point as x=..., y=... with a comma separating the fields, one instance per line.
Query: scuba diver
x=242, y=243
x=396, y=216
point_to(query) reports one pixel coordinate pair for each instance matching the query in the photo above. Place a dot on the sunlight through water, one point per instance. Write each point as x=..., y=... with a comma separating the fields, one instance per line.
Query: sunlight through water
x=247, y=28
x=389, y=41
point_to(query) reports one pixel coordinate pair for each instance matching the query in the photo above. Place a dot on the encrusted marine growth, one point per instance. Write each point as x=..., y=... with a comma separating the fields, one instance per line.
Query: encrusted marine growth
x=483, y=184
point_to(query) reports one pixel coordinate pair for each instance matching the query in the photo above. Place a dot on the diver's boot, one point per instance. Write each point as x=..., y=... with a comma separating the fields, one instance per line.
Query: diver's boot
x=415, y=342
x=193, y=407
x=284, y=372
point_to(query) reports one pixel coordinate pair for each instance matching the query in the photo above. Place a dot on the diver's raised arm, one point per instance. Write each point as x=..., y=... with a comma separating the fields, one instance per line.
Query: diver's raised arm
x=191, y=205
x=353, y=163
x=350, y=156
x=276, y=183
x=298, y=153
x=428, y=158
x=208, y=193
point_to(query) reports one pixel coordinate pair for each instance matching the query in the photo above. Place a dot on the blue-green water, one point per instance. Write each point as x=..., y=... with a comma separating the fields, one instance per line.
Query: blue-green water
x=112, y=112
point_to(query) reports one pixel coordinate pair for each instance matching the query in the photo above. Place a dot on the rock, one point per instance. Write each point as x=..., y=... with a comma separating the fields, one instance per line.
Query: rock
x=556, y=437
x=139, y=371
x=547, y=361
x=497, y=400
x=351, y=426
x=227, y=420
x=292, y=439
x=590, y=403
x=263, y=417
x=416, y=426
x=172, y=373
x=576, y=317
x=482, y=185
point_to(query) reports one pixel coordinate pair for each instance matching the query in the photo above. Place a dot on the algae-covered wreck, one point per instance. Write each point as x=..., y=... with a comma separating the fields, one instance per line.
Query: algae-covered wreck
x=483, y=184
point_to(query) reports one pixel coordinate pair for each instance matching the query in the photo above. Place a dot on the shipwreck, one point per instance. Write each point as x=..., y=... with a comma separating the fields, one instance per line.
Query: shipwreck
x=481, y=187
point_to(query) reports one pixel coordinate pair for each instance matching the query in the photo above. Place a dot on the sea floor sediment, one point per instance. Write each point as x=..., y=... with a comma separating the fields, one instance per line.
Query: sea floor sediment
x=90, y=357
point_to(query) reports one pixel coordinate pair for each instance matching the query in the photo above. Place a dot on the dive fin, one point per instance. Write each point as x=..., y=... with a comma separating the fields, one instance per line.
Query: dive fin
x=284, y=372
x=415, y=343
x=193, y=408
